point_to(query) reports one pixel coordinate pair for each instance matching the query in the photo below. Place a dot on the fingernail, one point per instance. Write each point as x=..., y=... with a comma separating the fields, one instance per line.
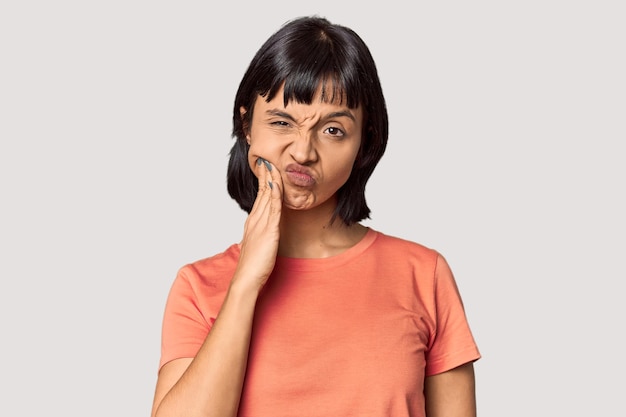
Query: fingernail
x=259, y=161
x=267, y=164
x=270, y=184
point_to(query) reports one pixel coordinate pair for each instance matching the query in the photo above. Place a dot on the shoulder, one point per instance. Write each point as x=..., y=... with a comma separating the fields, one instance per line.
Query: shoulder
x=213, y=271
x=399, y=247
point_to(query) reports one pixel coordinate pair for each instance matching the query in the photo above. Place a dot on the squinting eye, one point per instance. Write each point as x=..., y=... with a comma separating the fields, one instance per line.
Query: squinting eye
x=280, y=123
x=334, y=131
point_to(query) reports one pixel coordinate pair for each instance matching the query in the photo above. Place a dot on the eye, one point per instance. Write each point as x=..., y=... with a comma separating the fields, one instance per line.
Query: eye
x=334, y=131
x=280, y=123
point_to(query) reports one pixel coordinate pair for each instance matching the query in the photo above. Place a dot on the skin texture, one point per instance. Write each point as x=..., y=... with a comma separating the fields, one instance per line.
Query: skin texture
x=301, y=154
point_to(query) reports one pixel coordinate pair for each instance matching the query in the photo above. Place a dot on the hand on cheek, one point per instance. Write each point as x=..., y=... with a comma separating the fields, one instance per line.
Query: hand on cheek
x=259, y=245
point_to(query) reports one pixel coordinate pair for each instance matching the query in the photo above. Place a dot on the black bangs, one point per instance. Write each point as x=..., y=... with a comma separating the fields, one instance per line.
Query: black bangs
x=301, y=66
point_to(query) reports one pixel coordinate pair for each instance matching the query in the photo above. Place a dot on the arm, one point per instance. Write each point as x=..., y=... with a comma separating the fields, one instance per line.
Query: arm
x=451, y=393
x=210, y=384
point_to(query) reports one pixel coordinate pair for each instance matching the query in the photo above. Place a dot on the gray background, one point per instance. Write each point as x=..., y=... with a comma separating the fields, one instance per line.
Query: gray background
x=504, y=155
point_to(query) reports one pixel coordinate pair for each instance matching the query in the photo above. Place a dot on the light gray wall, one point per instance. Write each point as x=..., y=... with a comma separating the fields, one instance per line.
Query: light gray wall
x=505, y=154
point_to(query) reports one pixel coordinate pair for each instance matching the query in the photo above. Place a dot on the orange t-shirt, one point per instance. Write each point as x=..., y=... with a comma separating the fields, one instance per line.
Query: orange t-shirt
x=349, y=335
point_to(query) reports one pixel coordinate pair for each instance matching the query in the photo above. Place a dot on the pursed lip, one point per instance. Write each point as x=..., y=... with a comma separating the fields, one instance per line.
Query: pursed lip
x=299, y=175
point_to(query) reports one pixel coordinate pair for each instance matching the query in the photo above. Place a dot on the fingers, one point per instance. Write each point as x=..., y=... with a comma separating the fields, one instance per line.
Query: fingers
x=268, y=175
x=269, y=184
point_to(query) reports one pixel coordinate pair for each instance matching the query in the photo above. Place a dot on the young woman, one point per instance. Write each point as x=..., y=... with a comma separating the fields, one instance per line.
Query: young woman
x=312, y=313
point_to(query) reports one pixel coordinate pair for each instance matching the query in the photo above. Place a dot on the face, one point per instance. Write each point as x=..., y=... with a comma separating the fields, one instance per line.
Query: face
x=313, y=146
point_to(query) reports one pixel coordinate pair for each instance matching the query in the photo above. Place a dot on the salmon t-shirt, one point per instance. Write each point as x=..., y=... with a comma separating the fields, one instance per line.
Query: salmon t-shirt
x=350, y=335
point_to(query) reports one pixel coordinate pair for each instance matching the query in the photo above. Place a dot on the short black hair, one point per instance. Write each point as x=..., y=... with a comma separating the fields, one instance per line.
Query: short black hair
x=302, y=55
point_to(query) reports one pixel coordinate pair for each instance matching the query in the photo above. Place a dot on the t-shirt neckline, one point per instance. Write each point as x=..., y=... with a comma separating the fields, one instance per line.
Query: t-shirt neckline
x=311, y=264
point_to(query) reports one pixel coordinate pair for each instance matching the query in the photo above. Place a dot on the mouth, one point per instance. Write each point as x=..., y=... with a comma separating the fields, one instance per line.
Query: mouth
x=299, y=175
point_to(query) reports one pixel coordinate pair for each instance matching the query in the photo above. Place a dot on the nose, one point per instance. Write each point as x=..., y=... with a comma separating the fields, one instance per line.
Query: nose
x=302, y=149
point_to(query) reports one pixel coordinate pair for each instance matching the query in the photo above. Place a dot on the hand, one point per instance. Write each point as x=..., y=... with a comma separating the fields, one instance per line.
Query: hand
x=259, y=245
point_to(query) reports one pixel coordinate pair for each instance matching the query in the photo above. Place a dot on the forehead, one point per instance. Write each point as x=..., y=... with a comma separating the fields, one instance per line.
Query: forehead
x=327, y=94
x=307, y=91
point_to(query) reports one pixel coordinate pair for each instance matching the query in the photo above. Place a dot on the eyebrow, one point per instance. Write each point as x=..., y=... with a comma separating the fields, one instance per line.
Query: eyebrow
x=346, y=113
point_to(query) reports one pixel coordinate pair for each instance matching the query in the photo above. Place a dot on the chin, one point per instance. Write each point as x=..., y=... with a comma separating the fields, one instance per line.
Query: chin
x=297, y=207
x=299, y=202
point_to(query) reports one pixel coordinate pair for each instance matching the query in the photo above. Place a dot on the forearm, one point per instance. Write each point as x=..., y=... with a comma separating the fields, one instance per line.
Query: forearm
x=211, y=385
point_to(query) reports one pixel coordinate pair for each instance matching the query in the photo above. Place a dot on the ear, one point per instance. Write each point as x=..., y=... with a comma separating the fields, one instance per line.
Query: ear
x=244, y=122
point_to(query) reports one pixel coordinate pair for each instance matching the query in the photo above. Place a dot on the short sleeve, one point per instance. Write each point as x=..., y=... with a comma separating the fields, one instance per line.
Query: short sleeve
x=452, y=343
x=184, y=326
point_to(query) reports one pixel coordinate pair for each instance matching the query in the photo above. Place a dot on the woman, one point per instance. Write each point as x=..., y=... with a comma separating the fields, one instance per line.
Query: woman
x=312, y=313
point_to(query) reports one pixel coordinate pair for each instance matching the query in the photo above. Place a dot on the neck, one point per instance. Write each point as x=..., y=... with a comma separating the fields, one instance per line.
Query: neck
x=309, y=233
